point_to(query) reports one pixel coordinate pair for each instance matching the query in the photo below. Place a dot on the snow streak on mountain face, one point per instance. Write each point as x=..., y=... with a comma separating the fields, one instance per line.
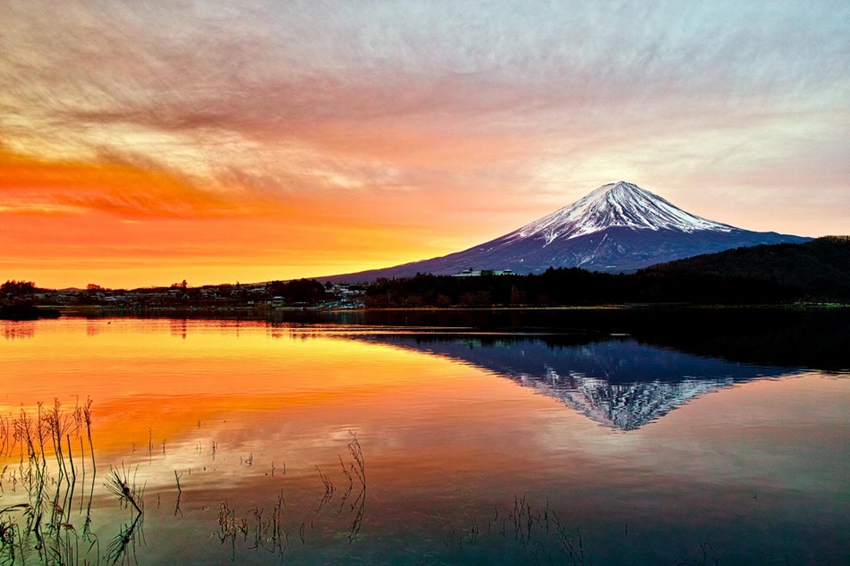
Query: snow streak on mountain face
x=615, y=205
x=625, y=406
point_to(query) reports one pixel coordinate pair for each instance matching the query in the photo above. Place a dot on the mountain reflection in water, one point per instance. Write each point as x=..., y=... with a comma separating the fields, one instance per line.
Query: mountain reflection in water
x=244, y=438
x=618, y=383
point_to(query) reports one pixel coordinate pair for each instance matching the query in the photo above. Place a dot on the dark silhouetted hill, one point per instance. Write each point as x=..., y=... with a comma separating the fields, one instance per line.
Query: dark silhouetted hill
x=819, y=269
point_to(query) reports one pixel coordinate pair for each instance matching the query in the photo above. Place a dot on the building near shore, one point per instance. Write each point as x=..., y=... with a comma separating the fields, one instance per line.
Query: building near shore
x=469, y=272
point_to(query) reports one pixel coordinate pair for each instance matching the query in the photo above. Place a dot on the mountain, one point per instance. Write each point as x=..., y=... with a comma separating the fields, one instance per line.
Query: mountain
x=618, y=227
x=819, y=268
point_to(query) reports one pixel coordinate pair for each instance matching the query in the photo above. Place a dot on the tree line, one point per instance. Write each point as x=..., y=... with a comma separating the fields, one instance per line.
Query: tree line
x=574, y=287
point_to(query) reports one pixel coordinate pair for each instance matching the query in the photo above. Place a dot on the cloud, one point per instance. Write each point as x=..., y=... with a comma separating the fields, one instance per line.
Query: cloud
x=458, y=118
x=31, y=186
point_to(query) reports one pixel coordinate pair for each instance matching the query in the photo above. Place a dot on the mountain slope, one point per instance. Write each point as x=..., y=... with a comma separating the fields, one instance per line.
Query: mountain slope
x=820, y=267
x=618, y=227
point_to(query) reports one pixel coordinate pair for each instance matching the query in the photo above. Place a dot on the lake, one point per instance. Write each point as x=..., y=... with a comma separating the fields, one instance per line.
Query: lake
x=410, y=438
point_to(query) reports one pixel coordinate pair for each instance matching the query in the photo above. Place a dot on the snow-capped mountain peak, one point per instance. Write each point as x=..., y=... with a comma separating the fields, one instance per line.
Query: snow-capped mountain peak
x=618, y=227
x=619, y=204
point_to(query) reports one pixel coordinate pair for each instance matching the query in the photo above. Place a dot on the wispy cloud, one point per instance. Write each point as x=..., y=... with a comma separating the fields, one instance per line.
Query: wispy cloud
x=438, y=112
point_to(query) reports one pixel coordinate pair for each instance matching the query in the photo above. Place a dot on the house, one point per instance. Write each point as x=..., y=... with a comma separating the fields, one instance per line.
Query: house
x=469, y=272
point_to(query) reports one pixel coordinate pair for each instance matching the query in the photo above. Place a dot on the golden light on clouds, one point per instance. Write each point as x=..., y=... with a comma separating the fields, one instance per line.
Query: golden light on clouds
x=269, y=141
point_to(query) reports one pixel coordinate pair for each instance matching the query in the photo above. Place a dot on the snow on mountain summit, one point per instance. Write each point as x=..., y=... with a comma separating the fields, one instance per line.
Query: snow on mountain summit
x=619, y=204
x=618, y=227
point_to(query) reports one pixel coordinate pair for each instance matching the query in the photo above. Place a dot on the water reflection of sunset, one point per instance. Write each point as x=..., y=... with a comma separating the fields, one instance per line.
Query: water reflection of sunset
x=160, y=379
x=244, y=411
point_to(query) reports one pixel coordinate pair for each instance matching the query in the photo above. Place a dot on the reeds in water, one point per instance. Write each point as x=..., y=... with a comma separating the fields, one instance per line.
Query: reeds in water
x=122, y=486
x=43, y=441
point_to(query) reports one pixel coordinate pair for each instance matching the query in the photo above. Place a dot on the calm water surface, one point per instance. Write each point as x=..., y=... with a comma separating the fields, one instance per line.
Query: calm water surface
x=242, y=441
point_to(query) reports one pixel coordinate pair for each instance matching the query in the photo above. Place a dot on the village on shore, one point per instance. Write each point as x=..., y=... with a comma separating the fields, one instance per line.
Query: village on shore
x=256, y=298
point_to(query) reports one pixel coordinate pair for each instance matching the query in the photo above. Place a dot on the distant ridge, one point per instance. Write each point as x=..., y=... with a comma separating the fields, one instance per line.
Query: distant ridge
x=819, y=268
x=618, y=227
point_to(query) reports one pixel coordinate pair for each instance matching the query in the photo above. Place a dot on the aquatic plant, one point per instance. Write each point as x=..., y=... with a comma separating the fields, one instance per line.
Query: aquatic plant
x=177, y=477
x=10, y=533
x=329, y=490
x=122, y=486
x=124, y=544
x=42, y=526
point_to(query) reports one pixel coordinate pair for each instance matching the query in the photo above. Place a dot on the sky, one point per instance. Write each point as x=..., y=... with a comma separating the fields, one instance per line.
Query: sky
x=144, y=143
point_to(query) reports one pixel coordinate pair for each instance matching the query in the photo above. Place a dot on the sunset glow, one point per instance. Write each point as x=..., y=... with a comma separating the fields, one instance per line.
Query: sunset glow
x=292, y=376
x=144, y=143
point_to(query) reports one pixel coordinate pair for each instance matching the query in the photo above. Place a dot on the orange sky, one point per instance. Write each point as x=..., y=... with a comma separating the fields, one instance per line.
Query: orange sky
x=143, y=145
x=68, y=223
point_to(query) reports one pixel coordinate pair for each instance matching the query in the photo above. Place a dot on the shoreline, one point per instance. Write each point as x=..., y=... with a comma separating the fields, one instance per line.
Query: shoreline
x=96, y=311
x=399, y=316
